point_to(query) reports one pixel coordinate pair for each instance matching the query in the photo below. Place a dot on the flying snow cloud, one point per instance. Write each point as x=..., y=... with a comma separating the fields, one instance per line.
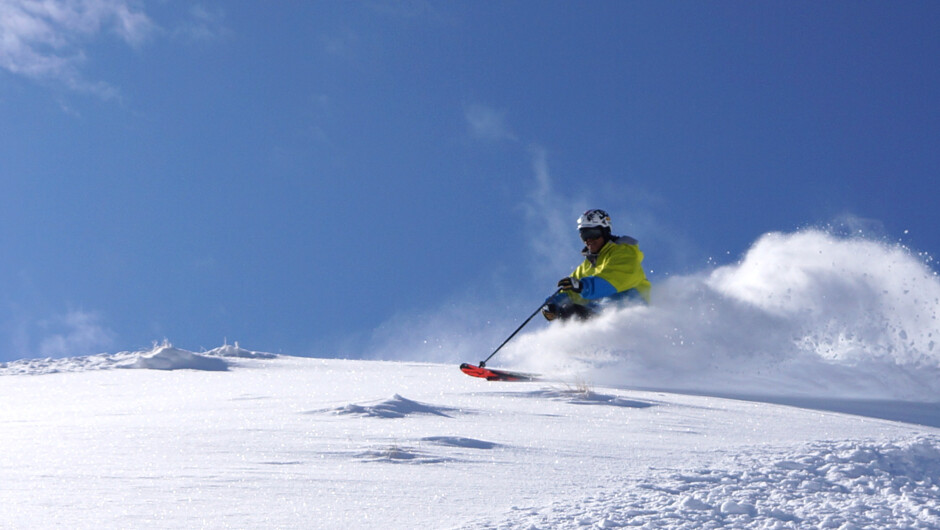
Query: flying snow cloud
x=805, y=313
x=45, y=39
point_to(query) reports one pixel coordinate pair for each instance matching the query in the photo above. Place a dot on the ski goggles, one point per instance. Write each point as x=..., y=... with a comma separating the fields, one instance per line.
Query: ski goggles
x=591, y=233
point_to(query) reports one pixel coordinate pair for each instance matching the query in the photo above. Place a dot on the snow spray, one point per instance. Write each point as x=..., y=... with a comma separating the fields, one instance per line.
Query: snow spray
x=805, y=313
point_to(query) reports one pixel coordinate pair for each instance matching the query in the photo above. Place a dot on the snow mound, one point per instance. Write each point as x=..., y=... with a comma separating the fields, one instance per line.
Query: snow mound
x=428, y=450
x=167, y=357
x=397, y=454
x=396, y=407
x=161, y=357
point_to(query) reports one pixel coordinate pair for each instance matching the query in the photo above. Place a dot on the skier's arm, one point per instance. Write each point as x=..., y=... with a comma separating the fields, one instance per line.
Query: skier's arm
x=594, y=287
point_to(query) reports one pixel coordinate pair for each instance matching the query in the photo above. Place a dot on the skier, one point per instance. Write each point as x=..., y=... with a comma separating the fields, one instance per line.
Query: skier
x=612, y=272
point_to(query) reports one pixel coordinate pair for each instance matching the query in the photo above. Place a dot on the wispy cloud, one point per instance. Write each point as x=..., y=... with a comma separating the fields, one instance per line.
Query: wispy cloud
x=45, y=39
x=550, y=217
x=488, y=123
x=75, y=333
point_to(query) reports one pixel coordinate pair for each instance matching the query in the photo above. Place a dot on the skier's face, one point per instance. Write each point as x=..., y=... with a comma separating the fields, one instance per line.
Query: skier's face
x=593, y=237
x=594, y=245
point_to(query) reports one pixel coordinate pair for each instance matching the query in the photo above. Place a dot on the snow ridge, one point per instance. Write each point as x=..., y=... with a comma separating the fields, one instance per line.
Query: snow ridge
x=169, y=358
x=161, y=357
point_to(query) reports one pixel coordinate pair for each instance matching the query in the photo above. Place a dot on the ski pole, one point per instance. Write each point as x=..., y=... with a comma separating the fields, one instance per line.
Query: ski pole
x=483, y=362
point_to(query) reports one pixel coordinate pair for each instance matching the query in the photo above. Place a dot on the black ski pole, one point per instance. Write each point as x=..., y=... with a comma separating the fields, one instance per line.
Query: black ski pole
x=483, y=362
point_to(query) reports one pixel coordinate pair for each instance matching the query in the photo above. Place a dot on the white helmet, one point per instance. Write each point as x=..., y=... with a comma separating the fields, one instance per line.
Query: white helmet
x=594, y=218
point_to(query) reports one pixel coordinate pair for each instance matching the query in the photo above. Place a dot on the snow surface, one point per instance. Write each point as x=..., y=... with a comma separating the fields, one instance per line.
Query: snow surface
x=288, y=442
x=799, y=388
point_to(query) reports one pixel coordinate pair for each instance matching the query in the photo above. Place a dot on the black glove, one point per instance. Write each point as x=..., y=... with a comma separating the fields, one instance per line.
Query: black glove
x=549, y=312
x=570, y=284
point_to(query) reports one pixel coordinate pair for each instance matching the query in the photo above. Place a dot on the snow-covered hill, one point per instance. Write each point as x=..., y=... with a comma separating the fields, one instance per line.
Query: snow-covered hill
x=237, y=439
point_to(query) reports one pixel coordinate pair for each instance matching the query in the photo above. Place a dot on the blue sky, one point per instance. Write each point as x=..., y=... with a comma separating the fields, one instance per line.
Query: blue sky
x=300, y=176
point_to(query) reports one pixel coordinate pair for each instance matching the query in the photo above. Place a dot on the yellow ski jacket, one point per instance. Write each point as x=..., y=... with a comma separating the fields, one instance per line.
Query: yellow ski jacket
x=612, y=273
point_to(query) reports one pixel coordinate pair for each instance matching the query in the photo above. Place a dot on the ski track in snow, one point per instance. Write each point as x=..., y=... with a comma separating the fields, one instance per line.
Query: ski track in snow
x=311, y=443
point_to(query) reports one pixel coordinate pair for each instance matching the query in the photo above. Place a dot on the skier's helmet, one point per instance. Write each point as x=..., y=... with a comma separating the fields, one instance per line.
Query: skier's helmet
x=594, y=219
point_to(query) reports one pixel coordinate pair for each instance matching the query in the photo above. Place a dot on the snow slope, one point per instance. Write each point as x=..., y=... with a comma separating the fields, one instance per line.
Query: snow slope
x=285, y=442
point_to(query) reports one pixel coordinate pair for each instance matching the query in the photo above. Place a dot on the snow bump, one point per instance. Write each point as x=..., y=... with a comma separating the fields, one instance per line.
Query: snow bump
x=395, y=407
x=169, y=358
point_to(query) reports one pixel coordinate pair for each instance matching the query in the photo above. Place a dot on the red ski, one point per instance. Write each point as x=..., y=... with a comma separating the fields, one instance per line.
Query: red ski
x=496, y=375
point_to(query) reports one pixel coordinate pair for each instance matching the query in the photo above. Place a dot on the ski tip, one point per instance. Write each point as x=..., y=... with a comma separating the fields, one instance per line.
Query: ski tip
x=473, y=370
x=496, y=375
